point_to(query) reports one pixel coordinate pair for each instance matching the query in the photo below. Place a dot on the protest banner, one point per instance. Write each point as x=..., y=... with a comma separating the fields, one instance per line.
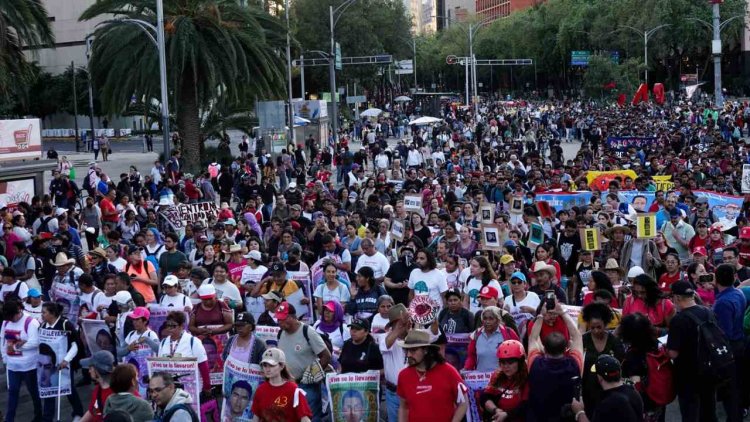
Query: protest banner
x=53, y=346
x=620, y=144
x=398, y=229
x=98, y=336
x=572, y=311
x=268, y=335
x=68, y=296
x=590, y=239
x=487, y=213
x=214, y=345
x=413, y=203
x=185, y=372
x=475, y=382
x=725, y=208
x=302, y=278
x=179, y=216
x=492, y=238
x=159, y=316
x=663, y=183
x=599, y=180
x=646, y=226
x=139, y=358
x=354, y=396
x=565, y=200
x=536, y=234
x=456, y=347
x=238, y=376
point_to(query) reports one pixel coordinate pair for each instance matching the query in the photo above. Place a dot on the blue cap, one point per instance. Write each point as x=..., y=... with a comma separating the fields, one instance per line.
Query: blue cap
x=519, y=275
x=34, y=293
x=509, y=243
x=675, y=212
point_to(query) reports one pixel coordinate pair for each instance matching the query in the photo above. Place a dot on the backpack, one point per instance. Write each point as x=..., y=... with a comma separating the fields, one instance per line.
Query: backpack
x=44, y=224
x=659, y=384
x=167, y=416
x=715, y=357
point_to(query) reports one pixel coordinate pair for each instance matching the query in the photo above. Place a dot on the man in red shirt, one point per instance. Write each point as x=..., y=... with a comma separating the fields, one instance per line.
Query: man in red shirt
x=107, y=206
x=100, y=366
x=429, y=388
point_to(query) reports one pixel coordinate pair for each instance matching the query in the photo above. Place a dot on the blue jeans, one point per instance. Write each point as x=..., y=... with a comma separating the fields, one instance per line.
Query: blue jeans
x=392, y=403
x=313, y=395
x=15, y=378
x=50, y=404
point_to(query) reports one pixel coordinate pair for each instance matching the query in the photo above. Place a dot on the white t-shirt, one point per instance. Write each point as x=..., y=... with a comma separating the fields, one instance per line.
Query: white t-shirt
x=227, y=289
x=531, y=300
x=7, y=289
x=119, y=263
x=35, y=312
x=183, y=348
x=133, y=336
x=179, y=301
x=95, y=299
x=472, y=289
x=378, y=262
x=250, y=275
x=340, y=294
x=432, y=283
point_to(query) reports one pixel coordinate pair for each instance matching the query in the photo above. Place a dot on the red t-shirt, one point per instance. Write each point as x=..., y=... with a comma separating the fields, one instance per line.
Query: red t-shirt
x=107, y=206
x=432, y=399
x=589, y=298
x=559, y=326
x=511, y=396
x=657, y=314
x=96, y=404
x=277, y=404
x=666, y=281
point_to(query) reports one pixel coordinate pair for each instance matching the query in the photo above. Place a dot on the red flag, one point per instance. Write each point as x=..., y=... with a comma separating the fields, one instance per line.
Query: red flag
x=659, y=93
x=621, y=100
x=641, y=94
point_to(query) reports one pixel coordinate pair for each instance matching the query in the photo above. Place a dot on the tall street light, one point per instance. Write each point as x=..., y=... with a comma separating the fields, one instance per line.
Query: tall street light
x=290, y=114
x=473, y=28
x=335, y=15
x=646, y=35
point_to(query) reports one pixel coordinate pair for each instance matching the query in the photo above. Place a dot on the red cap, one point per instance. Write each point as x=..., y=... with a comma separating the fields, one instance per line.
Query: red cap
x=700, y=250
x=45, y=235
x=489, y=292
x=284, y=310
x=745, y=232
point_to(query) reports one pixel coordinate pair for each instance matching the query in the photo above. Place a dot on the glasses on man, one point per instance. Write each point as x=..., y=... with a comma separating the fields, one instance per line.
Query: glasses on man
x=156, y=390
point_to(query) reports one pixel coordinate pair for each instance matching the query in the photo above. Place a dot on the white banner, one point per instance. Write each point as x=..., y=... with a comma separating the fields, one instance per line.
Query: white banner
x=20, y=139
x=268, y=335
x=53, y=346
x=15, y=191
x=180, y=216
x=746, y=178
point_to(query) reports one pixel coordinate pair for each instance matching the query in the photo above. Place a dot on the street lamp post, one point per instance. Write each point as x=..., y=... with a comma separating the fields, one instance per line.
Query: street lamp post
x=290, y=111
x=473, y=28
x=338, y=11
x=646, y=36
x=162, y=75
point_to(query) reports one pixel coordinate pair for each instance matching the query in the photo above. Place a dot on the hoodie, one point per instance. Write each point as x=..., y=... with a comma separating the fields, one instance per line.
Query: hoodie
x=138, y=408
x=180, y=397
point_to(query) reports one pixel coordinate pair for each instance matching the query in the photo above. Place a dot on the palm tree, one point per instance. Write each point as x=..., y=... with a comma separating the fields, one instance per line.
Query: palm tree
x=23, y=23
x=216, y=50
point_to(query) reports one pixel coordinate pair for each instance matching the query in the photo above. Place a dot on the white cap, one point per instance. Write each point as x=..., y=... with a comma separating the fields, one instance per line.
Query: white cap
x=206, y=291
x=60, y=211
x=254, y=255
x=634, y=272
x=170, y=280
x=122, y=297
x=292, y=185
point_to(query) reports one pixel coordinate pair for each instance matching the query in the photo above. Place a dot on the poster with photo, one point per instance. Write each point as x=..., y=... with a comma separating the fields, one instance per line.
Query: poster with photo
x=185, y=370
x=397, y=230
x=456, y=347
x=413, y=202
x=491, y=237
x=139, y=359
x=268, y=335
x=98, y=336
x=53, y=346
x=487, y=213
x=67, y=296
x=159, y=317
x=240, y=382
x=354, y=396
x=536, y=234
x=214, y=345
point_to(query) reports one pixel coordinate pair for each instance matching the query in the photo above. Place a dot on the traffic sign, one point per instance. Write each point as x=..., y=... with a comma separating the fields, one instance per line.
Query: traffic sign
x=579, y=58
x=354, y=99
x=338, y=56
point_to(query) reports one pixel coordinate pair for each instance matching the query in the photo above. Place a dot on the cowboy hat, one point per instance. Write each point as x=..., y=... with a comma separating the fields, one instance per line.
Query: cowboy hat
x=62, y=259
x=612, y=265
x=396, y=313
x=611, y=231
x=416, y=338
x=235, y=248
x=540, y=266
x=98, y=252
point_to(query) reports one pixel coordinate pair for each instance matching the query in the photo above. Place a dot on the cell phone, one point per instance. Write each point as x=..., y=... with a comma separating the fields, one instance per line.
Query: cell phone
x=549, y=299
x=706, y=278
x=576, y=387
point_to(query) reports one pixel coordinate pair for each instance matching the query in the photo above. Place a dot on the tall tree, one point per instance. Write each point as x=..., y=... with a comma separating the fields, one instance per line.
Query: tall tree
x=216, y=50
x=23, y=23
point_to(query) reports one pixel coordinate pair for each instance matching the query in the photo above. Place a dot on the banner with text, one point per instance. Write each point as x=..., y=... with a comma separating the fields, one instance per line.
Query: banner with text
x=183, y=369
x=620, y=145
x=240, y=382
x=354, y=397
x=456, y=348
x=476, y=382
x=179, y=216
x=53, y=346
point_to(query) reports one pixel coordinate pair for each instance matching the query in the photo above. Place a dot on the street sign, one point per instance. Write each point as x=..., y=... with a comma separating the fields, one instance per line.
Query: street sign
x=404, y=67
x=338, y=56
x=354, y=99
x=451, y=59
x=614, y=56
x=579, y=58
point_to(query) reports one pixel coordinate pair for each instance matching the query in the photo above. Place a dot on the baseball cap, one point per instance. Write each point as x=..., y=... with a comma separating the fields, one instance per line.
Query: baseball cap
x=675, y=212
x=635, y=271
x=45, y=235
x=488, y=292
x=273, y=295
x=278, y=267
x=745, y=232
x=230, y=222
x=519, y=275
x=122, y=297
x=607, y=367
x=33, y=292
x=102, y=360
x=140, y=312
x=506, y=259
x=245, y=317
x=700, y=250
x=284, y=310
x=273, y=356
x=360, y=323
x=133, y=249
x=254, y=255
x=203, y=238
x=682, y=288
x=206, y=291
x=170, y=280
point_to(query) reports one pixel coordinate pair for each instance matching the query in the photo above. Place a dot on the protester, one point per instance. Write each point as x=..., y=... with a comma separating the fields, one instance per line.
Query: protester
x=19, y=342
x=360, y=353
x=244, y=346
x=506, y=394
x=620, y=402
x=279, y=398
x=173, y=404
x=124, y=384
x=100, y=366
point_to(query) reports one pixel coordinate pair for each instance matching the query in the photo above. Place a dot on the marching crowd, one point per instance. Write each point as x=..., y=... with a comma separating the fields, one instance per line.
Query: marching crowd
x=320, y=243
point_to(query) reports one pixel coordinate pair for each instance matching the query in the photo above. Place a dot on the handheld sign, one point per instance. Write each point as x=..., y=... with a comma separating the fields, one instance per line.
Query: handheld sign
x=646, y=225
x=397, y=230
x=536, y=234
x=487, y=213
x=491, y=237
x=413, y=203
x=590, y=239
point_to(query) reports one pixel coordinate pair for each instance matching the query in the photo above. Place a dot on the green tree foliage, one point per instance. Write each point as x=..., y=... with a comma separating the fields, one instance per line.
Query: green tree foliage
x=22, y=23
x=217, y=50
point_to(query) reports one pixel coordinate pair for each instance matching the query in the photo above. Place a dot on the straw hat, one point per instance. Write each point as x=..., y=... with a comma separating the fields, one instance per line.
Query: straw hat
x=62, y=259
x=611, y=231
x=540, y=266
x=612, y=265
x=416, y=338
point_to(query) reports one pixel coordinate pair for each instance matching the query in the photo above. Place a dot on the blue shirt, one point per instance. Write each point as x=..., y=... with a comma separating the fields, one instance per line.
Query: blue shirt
x=730, y=310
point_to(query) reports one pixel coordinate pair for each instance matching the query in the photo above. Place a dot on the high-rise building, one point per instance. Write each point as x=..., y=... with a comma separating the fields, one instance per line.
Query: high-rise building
x=494, y=9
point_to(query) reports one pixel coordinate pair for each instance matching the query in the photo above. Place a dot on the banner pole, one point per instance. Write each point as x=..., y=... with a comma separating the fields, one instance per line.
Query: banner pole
x=59, y=392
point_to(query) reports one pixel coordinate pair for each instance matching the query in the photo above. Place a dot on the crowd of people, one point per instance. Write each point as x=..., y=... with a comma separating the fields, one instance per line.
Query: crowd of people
x=320, y=243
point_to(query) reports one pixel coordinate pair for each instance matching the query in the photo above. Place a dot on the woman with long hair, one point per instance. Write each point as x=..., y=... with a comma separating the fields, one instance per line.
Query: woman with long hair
x=331, y=289
x=208, y=262
x=466, y=245
x=598, y=280
x=481, y=274
x=597, y=341
x=673, y=273
x=419, y=230
x=637, y=332
x=363, y=302
x=649, y=300
x=278, y=398
x=505, y=396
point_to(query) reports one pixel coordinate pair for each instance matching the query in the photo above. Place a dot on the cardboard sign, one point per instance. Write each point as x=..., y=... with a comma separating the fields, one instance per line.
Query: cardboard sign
x=536, y=234
x=545, y=211
x=516, y=205
x=397, y=230
x=646, y=226
x=590, y=239
x=413, y=202
x=487, y=213
x=491, y=238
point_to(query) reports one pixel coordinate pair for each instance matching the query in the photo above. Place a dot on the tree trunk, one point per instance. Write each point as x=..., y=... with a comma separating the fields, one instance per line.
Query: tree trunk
x=188, y=120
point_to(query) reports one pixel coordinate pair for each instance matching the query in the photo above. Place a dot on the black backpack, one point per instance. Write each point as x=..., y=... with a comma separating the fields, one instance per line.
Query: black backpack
x=44, y=224
x=715, y=357
x=182, y=406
